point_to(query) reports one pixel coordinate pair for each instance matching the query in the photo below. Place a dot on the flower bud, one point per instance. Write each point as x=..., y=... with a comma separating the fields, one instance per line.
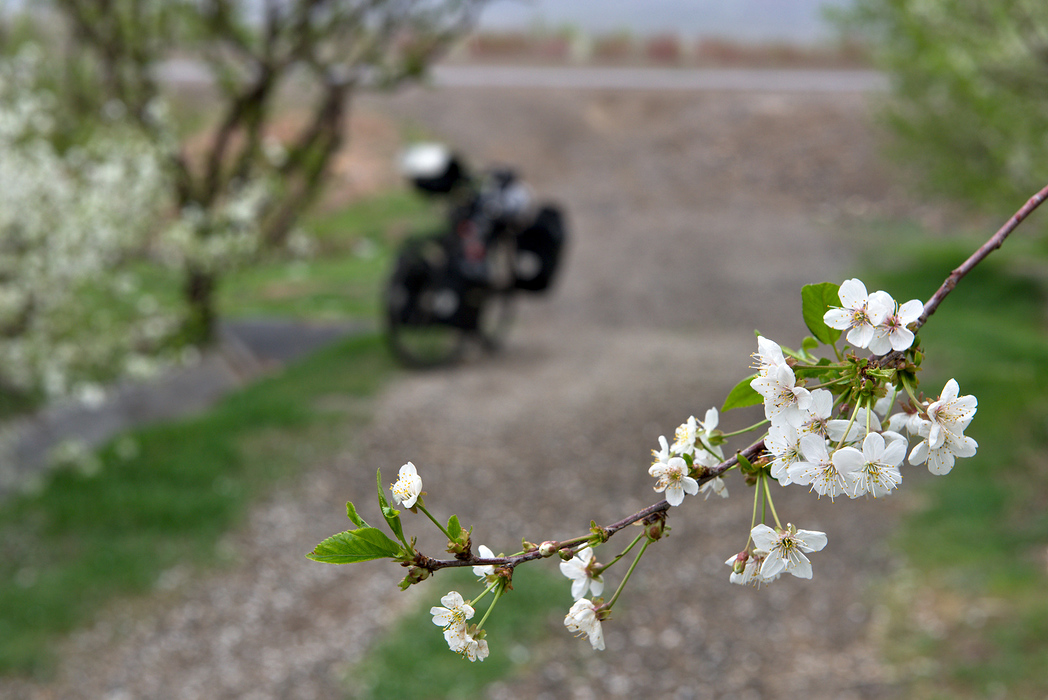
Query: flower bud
x=528, y=547
x=740, y=562
x=549, y=548
x=415, y=575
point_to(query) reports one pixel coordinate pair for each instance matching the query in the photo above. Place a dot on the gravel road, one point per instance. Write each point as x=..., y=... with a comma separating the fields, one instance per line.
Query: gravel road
x=696, y=219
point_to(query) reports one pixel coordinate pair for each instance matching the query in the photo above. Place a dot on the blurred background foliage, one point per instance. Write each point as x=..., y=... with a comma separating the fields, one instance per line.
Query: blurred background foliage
x=969, y=97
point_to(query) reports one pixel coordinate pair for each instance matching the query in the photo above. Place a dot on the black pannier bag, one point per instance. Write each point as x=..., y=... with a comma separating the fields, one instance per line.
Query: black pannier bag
x=539, y=249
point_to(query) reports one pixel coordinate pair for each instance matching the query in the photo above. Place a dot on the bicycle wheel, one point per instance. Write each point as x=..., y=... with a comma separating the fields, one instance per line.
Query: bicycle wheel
x=418, y=303
x=497, y=308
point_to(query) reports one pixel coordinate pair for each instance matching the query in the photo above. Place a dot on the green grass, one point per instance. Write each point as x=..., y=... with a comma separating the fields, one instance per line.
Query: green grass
x=354, y=247
x=978, y=543
x=415, y=650
x=87, y=538
x=165, y=494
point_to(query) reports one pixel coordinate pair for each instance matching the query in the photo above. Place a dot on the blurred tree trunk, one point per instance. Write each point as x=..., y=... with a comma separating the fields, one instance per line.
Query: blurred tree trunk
x=252, y=50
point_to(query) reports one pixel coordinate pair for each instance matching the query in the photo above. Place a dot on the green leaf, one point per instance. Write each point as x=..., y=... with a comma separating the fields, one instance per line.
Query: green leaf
x=742, y=395
x=808, y=345
x=391, y=514
x=351, y=513
x=353, y=546
x=816, y=299
x=454, y=527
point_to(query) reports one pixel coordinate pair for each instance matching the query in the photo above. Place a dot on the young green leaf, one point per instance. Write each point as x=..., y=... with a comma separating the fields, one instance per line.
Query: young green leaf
x=354, y=546
x=816, y=299
x=351, y=513
x=742, y=395
x=454, y=527
x=391, y=514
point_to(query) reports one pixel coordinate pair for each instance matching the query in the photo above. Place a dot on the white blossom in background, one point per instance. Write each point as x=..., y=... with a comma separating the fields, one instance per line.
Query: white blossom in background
x=751, y=570
x=859, y=313
x=815, y=419
x=716, y=485
x=783, y=399
x=863, y=418
x=685, y=435
x=69, y=221
x=580, y=570
x=784, y=444
x=786, y=550
x=582, y=619
x=706, y=435
x=943, y=431
x=482, y=572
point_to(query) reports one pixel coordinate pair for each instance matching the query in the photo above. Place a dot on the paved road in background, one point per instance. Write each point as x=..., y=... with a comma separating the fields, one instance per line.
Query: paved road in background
x=613, y=78
x=730, y=79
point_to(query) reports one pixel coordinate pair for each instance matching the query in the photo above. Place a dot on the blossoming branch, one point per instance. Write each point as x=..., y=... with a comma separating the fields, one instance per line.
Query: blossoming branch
x=839, y=419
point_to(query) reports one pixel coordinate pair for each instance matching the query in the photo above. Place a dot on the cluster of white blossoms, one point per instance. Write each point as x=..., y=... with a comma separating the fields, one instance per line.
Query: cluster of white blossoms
x=827, y=426
x=70, y=219
x=83, y=219
x=695, y=448
x=860, y=452
x=875, y=321
x=461, y=637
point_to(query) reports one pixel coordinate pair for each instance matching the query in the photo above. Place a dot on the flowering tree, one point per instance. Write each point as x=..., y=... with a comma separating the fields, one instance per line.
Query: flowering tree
x=72, y=309
x=829, y=426
x=968, y=91
x=246, y=191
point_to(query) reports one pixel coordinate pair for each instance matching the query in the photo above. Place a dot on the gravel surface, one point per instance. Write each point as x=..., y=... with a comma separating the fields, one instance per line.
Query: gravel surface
x=696, y=218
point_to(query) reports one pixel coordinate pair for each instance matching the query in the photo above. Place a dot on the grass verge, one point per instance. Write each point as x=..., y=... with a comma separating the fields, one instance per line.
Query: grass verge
x=969, y=615
x=165, y=494
x=342, y=277
x=415, y=650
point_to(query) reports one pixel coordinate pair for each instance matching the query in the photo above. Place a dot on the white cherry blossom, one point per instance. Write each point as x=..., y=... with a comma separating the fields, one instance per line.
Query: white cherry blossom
x=950, y=414
x=857, y=431
x=783, y=399
x=484, y=570
x=768, y=357
x=818, y=469
x=452, y=617
x=786, y=550
x=673, y=478
x=874, y=470
x=785, y=445
x=663, y=453
x=859, y=314
x=408, y=487
x=472, y=647
x=716, y=485
x=892, y=333
x=750, y=574
x=582, y=619
x=815, y=419
x=705, y=436
x=942, y=458
x=580, y=570
x=685, y=434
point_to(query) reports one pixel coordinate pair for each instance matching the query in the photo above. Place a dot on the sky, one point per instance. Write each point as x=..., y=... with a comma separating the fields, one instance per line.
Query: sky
x=798, y=21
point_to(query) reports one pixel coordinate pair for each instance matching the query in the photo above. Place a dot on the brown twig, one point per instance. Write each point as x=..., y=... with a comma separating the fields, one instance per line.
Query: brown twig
x=662, y=506
x=977, y=257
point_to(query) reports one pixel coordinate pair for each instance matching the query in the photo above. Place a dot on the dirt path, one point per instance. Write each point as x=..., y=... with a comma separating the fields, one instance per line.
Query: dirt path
x=696, y=219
